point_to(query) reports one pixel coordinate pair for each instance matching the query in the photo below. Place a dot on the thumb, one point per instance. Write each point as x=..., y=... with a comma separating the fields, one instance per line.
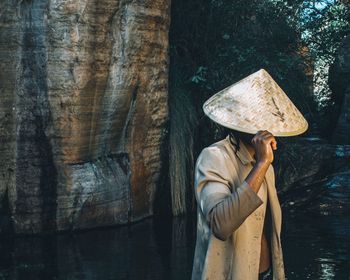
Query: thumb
x=274, y=144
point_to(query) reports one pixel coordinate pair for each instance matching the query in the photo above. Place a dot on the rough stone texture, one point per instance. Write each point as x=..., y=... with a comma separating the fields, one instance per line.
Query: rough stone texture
x=339, y=80
x=304, y=161
x=307, y=171
x=327, y=196
x=84, y=111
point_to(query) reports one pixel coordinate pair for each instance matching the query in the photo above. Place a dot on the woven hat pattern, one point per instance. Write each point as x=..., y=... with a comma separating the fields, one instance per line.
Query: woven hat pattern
x=256, y=103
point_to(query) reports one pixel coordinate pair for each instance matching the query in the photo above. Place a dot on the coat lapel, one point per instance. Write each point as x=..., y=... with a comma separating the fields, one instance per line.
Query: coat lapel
x=245, y=157
x=274, y=202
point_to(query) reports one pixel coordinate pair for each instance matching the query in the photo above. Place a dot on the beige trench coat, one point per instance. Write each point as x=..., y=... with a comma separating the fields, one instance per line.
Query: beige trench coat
x=219, y=172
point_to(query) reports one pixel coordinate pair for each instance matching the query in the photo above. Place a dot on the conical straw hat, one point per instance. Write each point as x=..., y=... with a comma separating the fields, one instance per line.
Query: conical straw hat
x=256, y=103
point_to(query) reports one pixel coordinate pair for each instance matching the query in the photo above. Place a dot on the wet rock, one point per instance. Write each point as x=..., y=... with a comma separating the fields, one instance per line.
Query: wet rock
x=83, y=111
x=313, y=175
x=327, y=196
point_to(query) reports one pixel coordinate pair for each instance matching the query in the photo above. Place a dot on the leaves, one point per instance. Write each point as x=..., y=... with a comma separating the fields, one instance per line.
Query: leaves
x=222, y=41
x=199, y=75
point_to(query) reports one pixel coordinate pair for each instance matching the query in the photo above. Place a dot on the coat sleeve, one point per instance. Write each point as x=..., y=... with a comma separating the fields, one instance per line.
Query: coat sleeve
x=224, y=206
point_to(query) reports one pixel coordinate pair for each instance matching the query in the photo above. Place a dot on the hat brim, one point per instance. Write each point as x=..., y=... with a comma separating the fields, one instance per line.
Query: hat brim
x=254, y=130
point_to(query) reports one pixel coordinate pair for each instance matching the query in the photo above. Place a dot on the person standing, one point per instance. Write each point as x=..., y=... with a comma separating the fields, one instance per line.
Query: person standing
x=239, y=216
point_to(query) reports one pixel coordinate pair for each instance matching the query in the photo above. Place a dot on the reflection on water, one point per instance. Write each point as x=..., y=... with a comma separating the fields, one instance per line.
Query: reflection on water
x=317, y=247
x=314, y=246
x=151, y=249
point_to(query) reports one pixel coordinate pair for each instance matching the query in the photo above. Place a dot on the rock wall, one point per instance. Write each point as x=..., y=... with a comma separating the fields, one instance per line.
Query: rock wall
x=83, y=111
x=304, y=161
x=313, y=175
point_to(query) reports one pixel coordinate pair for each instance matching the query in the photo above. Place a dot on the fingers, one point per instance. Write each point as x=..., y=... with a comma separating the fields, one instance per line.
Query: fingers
x=272, y=141
x=263, y=132
x=260, y=134
x=267, y=136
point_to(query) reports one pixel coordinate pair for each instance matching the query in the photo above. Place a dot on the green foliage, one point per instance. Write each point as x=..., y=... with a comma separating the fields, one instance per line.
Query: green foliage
x=218, y=42
x=323, y=25
x=214, y=43
x=199, y=75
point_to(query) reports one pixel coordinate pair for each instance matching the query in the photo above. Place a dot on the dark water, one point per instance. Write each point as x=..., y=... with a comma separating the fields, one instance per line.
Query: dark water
x=314, y=246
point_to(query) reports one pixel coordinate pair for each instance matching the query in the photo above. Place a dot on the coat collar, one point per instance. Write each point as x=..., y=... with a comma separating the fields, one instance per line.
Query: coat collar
x=245, y=157
x=242, y=153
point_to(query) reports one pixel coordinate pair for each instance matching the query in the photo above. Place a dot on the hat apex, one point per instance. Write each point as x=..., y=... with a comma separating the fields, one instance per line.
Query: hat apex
x=255, y=103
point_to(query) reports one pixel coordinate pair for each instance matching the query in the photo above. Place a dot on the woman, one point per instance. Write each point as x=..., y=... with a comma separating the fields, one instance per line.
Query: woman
x=238, y=212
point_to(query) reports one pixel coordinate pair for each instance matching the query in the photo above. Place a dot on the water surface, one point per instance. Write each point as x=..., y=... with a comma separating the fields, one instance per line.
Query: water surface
x=314, y=246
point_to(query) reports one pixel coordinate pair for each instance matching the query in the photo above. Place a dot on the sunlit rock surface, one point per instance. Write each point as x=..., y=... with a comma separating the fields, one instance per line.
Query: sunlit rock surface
x=83, y=114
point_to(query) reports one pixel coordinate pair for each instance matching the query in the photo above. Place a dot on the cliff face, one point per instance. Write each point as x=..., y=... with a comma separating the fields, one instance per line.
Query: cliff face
x=313, y=175
x=83, y=111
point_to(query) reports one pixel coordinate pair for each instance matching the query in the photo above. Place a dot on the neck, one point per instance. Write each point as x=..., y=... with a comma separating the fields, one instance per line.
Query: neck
x=250, y=148
x=246, y=138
